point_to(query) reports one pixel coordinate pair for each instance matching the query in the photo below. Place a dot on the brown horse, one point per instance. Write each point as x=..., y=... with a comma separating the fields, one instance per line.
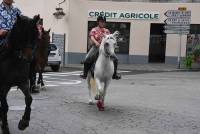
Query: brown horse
x=40, y=60
x=42, y=55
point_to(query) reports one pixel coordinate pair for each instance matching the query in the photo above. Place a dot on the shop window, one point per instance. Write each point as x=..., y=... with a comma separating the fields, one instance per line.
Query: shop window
x=193, y=38
x=123, y=40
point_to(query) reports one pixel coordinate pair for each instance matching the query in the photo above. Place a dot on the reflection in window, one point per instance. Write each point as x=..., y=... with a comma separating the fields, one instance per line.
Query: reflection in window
x=193, y=38
x=123, y=39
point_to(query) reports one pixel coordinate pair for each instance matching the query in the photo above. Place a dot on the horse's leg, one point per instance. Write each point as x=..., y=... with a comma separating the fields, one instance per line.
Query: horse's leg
x=90, y=90
x=4, y=110
x=106, y=83
x=0, y=111
x=99, y=96
x=24, y=122
x=99, y=89
x=41, y=80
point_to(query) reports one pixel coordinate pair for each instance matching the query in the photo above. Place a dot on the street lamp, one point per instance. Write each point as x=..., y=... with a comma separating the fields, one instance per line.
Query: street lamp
x=59, y=14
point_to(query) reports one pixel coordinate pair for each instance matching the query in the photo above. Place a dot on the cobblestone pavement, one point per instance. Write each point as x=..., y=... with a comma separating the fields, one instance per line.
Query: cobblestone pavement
x=147, y=103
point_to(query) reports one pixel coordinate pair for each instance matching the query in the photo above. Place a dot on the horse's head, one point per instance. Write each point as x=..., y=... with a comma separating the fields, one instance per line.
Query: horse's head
x=108, y=44
x=43, y=42
x=46, y=36
x=23, y=35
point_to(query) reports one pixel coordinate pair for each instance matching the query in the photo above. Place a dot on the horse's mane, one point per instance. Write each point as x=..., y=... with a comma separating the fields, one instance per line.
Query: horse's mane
x=24, y=33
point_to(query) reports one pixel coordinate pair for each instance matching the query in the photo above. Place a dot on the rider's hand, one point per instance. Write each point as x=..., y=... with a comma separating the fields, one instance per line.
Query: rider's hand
x=98, y=44
x=3, y=32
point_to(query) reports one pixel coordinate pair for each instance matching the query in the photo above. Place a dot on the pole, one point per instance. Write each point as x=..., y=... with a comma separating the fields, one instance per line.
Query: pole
x=179, y=52
x=64, y=50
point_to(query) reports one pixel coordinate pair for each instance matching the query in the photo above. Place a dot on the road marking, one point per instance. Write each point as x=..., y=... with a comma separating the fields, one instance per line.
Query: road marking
x=56, y=78
x=58, y=73
x=50, y=85
x=69, y=82
x=18, y=108
x=124, y=71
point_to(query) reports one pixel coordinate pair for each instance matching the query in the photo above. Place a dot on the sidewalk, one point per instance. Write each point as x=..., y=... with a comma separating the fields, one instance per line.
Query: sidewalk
x=146, y=67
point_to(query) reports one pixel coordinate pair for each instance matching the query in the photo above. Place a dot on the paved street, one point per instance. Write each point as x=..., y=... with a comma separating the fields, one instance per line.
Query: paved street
x=140, y=103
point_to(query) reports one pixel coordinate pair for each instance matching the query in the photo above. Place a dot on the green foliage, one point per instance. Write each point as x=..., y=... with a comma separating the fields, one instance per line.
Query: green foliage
x=188, y=60
x=196, y=52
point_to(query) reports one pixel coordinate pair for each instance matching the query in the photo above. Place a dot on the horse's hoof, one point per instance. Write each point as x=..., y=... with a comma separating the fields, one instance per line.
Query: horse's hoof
x=91, y=102
x=23, y=124
x=43, y=88
x=97, y=97
x=100, y=105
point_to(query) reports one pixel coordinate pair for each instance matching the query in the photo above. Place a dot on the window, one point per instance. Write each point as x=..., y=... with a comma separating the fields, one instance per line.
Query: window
x=193, y=38
x=123, y=40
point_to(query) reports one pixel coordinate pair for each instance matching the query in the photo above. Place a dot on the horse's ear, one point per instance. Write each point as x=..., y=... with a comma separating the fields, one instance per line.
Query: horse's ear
x=116, y=34
x=36, y=18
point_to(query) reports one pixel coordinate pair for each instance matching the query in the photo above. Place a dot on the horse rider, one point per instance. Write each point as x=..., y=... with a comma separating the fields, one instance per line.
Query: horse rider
x=96, y=36
x=8, y=16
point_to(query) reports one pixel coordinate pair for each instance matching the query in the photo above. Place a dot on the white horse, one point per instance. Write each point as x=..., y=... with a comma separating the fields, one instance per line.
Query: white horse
x=104, y=69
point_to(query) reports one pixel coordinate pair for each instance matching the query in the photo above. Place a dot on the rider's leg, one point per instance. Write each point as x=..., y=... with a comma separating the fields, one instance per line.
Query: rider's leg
x=89, y=60
x=116, y=75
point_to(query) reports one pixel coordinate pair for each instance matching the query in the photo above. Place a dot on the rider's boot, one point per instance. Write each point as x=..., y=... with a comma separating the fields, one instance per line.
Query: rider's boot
x=85, y=70
x=116, y=75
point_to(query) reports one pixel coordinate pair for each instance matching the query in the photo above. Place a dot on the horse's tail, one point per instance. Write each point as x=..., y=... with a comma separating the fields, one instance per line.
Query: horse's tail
x=92, y=83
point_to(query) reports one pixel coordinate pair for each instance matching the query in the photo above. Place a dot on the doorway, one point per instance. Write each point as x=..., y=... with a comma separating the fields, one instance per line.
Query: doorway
x=157, y=46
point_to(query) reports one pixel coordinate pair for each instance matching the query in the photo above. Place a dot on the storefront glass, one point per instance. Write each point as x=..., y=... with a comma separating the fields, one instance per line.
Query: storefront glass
x=193, y=38
x=123, y=40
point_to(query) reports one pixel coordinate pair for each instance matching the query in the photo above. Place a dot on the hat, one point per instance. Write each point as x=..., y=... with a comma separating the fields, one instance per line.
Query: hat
x=102, y=18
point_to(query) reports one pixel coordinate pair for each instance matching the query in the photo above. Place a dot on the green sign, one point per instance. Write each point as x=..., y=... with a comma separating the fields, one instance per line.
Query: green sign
x=124, y=15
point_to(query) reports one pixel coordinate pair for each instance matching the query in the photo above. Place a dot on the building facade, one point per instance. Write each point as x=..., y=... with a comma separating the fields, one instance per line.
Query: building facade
x=141, y=24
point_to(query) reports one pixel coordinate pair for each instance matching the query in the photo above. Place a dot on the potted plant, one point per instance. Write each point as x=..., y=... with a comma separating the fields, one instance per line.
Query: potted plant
x=189, y=60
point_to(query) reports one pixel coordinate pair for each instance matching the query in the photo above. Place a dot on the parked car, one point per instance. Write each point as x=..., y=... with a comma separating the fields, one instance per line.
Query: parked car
x=54, y=58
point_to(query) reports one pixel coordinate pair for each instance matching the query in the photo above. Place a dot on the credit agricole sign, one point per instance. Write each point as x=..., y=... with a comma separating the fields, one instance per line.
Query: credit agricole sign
x=144, y=15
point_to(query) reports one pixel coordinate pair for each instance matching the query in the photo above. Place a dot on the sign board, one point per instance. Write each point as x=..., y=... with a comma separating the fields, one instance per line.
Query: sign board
x=144, y=15
x=176, y=27
x=178, y=21
x=179, y=17
x=177, y=13
x=176, y=32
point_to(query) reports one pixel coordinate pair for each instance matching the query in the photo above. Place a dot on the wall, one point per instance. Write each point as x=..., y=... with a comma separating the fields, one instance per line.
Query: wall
x=74, y=24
